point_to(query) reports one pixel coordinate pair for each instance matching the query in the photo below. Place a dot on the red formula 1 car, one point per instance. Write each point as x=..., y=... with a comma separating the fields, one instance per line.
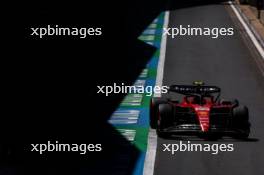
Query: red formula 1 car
x=201, y=112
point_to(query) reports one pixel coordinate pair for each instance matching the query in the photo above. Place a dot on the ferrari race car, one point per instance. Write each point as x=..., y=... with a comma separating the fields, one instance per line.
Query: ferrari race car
x=201, y=112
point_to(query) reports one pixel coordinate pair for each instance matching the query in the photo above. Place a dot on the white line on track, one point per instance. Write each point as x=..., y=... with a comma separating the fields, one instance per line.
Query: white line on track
x=160, y=68
x=152, y=137
x=249, y=32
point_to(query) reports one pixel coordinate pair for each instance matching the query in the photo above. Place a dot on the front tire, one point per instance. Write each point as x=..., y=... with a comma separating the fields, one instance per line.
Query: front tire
x=154, y=107
x=241, y=121
x=165, y=119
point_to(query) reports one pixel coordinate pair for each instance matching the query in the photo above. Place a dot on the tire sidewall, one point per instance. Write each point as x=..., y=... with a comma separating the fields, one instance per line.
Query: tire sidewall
x=241, y=120
x=165, y=116
x=154, y=108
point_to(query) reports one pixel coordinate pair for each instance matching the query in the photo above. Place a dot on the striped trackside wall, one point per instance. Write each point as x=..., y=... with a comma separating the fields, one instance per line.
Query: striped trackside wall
x=131, y=118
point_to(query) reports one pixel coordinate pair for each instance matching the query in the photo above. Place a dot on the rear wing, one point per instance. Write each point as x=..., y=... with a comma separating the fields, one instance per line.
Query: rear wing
x=194, y=89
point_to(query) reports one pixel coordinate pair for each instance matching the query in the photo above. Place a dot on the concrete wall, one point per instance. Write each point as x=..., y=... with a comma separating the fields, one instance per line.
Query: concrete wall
x=254, y=10
x=262, y=16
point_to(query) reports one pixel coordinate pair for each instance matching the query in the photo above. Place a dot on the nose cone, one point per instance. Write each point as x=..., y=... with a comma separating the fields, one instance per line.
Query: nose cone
x=204, y=123
x=203, y=118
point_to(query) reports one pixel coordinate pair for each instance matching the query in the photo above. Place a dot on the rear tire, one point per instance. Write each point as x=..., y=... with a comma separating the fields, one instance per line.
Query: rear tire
x=153, y=112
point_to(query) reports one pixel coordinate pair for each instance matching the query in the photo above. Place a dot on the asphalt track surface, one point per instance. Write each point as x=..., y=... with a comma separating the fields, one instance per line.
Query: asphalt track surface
x=228, y=62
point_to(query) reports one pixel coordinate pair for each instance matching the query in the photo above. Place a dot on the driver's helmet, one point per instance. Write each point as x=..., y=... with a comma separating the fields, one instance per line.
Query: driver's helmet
x=196, y=100
x=207, y=99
